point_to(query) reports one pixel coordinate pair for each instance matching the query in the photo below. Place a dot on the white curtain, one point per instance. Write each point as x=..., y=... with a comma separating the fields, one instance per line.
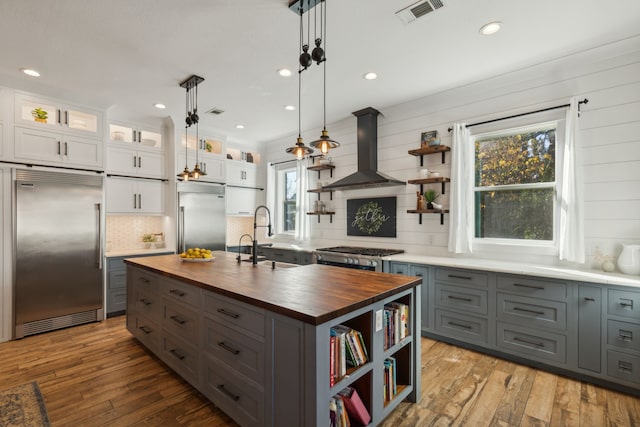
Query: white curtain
x=272, y=192
x=571, y=238
x=302, y=202
x=461, y=198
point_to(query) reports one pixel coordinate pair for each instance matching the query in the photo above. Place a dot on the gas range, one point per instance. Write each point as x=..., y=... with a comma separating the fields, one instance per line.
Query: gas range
x=353, y=257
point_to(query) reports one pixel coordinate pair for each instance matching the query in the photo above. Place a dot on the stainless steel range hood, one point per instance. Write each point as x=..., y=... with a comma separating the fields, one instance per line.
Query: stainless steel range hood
x=367, y=175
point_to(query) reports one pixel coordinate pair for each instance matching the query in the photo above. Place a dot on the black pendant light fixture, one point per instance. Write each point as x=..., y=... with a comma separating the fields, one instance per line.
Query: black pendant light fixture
x=300, y=150
x=192, y=118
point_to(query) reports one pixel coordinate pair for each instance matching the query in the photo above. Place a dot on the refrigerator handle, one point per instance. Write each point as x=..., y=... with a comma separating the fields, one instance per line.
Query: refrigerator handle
x=181, y=247
x=99, y=236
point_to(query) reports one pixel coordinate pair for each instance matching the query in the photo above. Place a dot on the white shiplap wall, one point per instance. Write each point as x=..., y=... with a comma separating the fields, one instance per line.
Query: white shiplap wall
x=609, y=76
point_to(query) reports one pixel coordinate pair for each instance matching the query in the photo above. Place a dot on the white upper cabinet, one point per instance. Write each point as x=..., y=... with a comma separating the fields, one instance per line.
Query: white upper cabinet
x=241, y=173
x=207, y=151
x=136, y=163
x=51, y=115
x=137, y=137
x=135, y=196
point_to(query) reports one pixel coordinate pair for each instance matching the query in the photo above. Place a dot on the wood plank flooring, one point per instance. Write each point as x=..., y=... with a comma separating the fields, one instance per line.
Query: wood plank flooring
x=98, y=375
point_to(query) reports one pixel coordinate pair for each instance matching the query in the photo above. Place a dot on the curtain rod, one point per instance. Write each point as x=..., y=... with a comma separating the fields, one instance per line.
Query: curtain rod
x=584, y=101
x=293, y=160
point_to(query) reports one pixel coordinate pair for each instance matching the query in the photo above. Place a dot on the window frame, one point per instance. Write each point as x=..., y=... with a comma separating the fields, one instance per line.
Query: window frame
x=522, y=246
x=280, y=194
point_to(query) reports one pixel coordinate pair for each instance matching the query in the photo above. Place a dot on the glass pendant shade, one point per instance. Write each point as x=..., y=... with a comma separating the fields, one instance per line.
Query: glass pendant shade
x=299, y=150
x=185, y=174
x=324, y=143
x=197, y=172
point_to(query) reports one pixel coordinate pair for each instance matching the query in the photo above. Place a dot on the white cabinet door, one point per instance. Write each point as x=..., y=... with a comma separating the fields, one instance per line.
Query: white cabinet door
x=125, y=161
x=135, y=137
x=40, y=145
x=242, y=201
x=2, y=140
x=212, y=164
x=82, y=152
x=242, y=173
x=131, y=195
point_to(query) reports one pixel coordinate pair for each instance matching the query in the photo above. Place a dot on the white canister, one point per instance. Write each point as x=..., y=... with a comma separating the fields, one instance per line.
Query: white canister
x=629, y=259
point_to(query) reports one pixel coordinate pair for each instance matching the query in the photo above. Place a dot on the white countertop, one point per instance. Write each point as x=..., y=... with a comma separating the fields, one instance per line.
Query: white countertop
x=554, y=272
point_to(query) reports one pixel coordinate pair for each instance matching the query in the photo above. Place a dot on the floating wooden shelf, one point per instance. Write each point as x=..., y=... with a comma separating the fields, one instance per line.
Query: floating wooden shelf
x=429, y=211
x=321, y=190
x=320, y=168
x=429, y=150
x=435, y=180
x=331, y=214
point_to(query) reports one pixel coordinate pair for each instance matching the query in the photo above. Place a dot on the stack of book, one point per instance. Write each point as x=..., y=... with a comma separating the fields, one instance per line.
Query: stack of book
x=395, y=323
x=347, y=349
x=347, y=407
x=390, y=386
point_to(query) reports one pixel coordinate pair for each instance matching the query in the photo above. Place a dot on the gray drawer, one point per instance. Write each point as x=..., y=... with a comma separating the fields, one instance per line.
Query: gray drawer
x=531, y=343
x=462, y=277
x=117, y=279
x=529, y=286
x=399, y=268
x=115, y=264
x=147, y=331
x=305, y=258
x=238, y=398
x=116, y=300
x=532, y=311
x=623, y=366
x=235, y=314
x=147, y=304
x=181, y=357
x=181, y=321
x=624, y=303
x=459, y=298
x=241, y=353
x=468, y=328
x=623, y=335
x=181, y=292
x=142, y=279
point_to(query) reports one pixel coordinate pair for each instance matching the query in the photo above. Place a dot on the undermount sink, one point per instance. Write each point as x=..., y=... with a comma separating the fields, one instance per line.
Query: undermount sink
x=268, y=263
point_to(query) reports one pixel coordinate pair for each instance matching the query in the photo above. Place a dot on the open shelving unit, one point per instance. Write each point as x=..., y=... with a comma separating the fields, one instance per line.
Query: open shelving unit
x=319, y=214
x=421, y=152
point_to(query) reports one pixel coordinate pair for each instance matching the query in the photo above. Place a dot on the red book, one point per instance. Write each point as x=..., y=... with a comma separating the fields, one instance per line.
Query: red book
x=355, y=408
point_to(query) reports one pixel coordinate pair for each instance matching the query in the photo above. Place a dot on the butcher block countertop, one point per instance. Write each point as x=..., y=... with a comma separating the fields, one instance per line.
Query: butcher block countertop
x=311, y=293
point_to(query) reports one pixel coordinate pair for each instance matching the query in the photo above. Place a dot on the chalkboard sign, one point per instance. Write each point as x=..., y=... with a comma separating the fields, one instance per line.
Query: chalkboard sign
x=372, y=217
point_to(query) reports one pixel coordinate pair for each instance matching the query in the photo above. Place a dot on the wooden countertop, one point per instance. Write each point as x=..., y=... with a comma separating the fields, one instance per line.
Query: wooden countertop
x=311, y=293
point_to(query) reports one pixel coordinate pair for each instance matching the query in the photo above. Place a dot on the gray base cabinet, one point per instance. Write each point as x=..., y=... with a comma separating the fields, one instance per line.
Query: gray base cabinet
x=588, y=330
x=286, y=255
x=263, y=368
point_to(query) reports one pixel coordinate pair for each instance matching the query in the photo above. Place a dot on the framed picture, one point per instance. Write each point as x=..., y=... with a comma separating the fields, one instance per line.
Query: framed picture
x=372, y=217
x=427, y=136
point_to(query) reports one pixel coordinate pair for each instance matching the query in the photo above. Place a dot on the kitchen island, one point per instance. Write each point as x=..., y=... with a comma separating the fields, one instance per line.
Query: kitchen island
x=256, y=340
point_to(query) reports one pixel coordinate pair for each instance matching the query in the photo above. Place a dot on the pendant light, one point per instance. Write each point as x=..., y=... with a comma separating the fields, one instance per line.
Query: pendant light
x=192, y=118
x=324, y=143
x=300, y=150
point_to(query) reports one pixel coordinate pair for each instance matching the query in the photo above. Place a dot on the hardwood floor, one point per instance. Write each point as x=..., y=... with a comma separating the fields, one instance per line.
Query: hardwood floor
x=97, y=374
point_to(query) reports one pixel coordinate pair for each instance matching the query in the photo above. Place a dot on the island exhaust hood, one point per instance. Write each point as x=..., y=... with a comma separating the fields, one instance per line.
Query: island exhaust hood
x=367, y=175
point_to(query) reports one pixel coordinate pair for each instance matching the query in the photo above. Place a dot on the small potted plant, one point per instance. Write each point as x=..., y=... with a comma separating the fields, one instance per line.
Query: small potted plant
x=39, y=115
x=148, y=240
x=430, y=196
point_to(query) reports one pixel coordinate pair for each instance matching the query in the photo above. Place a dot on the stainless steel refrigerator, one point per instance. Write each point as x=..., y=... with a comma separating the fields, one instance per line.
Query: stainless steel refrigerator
x=58, y=257
x=201, y=216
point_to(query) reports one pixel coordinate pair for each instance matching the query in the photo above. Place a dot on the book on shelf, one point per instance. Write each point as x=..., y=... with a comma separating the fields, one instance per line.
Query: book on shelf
x=395, y=323
x=390, y=385
x=338, y=416
x=355, y=408
x=349, y=350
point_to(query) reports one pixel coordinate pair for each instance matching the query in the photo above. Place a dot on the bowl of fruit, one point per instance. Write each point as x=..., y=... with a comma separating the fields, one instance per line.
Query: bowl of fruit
x=196, y=255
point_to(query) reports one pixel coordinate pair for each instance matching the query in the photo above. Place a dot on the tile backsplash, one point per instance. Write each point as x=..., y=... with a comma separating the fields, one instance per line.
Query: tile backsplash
x=125, y=231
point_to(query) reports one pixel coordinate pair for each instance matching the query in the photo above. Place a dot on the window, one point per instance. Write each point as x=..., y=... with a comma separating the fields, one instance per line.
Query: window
x=515, y=185
x=286, y=183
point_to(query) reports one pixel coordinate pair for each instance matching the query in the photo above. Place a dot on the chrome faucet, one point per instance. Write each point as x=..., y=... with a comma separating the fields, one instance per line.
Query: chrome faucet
x=255, y=226
x=238, y=258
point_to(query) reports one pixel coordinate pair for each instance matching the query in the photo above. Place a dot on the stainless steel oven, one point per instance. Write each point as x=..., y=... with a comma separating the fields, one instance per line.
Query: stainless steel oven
x=353, y=257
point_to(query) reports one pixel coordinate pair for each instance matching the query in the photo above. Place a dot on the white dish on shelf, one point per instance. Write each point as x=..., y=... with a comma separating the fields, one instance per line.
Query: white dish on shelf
x=198, y=259
x=435, y=174
x=117, y=136
x=148, y=141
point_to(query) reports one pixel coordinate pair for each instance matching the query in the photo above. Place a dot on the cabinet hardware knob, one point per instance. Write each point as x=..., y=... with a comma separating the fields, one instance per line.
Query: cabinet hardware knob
x=177, y=354
x=459, y=298
x=145, y=330
x=538, y=288
x=178, y=320
x=228, y=313
x=227, y=347
x=460, y=325
x=177, y=292
x=539, y=313
x=455, y=276
x=234, y=397
x=537, y=344
x=589, y=299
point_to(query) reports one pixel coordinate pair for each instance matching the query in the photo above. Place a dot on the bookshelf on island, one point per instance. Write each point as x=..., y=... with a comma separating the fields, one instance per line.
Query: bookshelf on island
x=258, y=343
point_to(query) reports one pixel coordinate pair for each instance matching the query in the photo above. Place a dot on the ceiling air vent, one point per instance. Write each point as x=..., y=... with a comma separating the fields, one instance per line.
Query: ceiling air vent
x=215, y=111
x=418, y=10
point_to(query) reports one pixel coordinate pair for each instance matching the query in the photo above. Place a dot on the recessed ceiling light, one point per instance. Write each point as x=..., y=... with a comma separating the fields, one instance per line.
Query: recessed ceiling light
x=30, y=72
x=490, y=28
x=289, y=107
x=370, y=76
x=160, y=106
x=239, y=126
x=284, y=72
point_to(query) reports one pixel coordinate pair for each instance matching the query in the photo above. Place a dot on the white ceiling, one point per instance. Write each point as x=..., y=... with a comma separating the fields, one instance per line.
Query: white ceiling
x=126, y=55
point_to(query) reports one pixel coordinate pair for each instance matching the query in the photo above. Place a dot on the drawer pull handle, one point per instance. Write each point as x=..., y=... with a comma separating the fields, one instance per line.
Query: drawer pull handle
x=144, y=279
x=145, y=302
x=230, y=349
x=537, y=344
x=626, y=303
x=418, y=274
x=455, y=276
x=539, y=313
x=625, y=366
x=177, y=354
x=178, y=320
x=460, y=325
x=228, y=313
x=234, y=397
x=177, y=292
x=624, y=335
x=145, y=330
x=459, y=298
x=589, y=299
x=520, y=285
